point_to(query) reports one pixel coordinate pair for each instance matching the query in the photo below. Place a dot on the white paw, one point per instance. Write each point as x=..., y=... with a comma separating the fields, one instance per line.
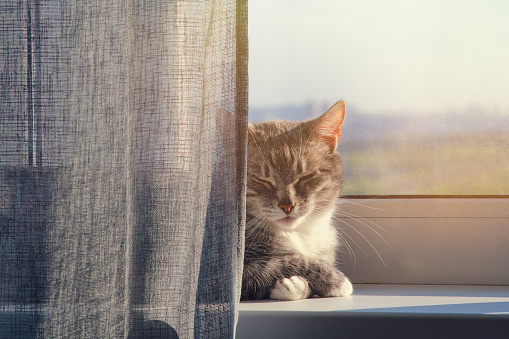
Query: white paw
x=344, y=289
x=292, y=288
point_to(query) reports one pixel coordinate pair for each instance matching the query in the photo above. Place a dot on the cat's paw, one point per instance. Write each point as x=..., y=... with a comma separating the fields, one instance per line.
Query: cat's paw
x=293, y=288
x=344, y=289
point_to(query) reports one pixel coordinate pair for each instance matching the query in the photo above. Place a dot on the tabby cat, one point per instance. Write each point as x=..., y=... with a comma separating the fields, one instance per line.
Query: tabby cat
x=293, y=184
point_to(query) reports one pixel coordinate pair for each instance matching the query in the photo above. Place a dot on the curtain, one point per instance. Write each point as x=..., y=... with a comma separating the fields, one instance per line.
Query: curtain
x=122, y=167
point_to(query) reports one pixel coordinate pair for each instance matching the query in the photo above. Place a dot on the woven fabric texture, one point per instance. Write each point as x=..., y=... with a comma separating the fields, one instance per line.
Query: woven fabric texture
x=122, y=167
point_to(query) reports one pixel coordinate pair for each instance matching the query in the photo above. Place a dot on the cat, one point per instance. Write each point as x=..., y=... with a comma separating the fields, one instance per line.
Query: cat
x=293, y=184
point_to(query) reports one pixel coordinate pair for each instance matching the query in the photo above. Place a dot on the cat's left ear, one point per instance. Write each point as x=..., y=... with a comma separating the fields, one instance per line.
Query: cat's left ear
x=225, y=124
x=328, y=126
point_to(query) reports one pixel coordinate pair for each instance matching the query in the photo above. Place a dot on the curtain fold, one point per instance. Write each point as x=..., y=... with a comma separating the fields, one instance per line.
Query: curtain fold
x=122, y=167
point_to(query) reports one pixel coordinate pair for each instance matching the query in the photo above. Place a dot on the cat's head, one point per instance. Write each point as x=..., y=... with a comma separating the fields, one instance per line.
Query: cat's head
x=294, y=171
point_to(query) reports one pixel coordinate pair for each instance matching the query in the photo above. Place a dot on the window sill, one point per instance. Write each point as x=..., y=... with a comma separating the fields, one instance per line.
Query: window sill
x=383, y=311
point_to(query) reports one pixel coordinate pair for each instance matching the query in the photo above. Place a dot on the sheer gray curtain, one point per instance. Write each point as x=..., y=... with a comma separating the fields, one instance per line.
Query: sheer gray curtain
x=122, y=167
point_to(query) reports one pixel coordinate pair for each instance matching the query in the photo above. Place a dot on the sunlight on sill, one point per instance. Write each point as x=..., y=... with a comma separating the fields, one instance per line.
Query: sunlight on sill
x=433, y=299
x=383, y=311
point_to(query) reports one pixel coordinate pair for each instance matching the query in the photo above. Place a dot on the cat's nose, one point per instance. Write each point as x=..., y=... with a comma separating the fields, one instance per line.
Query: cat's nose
x=287, y=208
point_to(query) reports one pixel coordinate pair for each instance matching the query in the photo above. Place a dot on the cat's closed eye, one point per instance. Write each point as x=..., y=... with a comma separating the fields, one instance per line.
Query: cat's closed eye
x=265, y=183
x=306, y=178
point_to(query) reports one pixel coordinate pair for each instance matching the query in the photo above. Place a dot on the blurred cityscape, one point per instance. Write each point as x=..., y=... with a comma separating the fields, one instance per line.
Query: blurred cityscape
x=455, y=153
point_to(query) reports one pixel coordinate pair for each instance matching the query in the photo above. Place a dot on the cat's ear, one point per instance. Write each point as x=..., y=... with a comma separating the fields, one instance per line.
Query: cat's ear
x=250, y=132
x=224, y=117
x=225, y=124
x=328, y=127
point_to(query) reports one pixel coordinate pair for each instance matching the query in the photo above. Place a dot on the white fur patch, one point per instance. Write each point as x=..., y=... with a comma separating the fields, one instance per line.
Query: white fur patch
x=293, y=288
x=344, y=290
x=314, y=239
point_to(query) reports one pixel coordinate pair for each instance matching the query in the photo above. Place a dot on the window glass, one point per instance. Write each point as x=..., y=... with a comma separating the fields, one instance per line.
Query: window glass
x=426, y=84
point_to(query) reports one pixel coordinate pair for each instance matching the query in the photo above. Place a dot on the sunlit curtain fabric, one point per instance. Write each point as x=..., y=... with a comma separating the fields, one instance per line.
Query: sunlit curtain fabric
x=122, y=167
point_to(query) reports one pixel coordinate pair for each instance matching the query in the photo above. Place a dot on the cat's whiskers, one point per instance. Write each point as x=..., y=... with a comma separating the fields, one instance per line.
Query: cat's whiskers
x=256, y=226
x=365, y=239
x=258, y=231
x=252, y=229
x=361, y=220
x=365, y=222
x=316, y=213
x=346, y=203
x=343, y=241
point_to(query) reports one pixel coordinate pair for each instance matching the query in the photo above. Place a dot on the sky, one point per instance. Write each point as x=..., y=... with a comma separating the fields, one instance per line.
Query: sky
x=381, y=56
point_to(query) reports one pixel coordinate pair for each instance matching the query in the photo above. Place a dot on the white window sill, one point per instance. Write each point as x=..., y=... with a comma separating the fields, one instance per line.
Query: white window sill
x=384, y=311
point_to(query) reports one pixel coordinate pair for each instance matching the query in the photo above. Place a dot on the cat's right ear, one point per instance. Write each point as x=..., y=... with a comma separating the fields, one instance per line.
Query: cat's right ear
x=328, y=127
x=250, y=132
x=225, y=125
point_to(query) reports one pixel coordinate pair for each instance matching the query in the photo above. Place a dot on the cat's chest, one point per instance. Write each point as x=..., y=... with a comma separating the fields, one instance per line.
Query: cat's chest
x=319, y=242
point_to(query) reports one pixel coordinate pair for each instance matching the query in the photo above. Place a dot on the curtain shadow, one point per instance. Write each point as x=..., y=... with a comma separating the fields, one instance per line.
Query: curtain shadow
x=152, y=329
x=26, y=195
x=501, y=307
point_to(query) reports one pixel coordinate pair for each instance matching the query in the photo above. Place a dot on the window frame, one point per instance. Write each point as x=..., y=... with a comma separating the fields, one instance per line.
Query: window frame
x=458, y=240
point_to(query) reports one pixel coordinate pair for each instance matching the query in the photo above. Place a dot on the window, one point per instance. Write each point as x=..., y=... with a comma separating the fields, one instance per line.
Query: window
x=425, y=139
x=425, y=83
